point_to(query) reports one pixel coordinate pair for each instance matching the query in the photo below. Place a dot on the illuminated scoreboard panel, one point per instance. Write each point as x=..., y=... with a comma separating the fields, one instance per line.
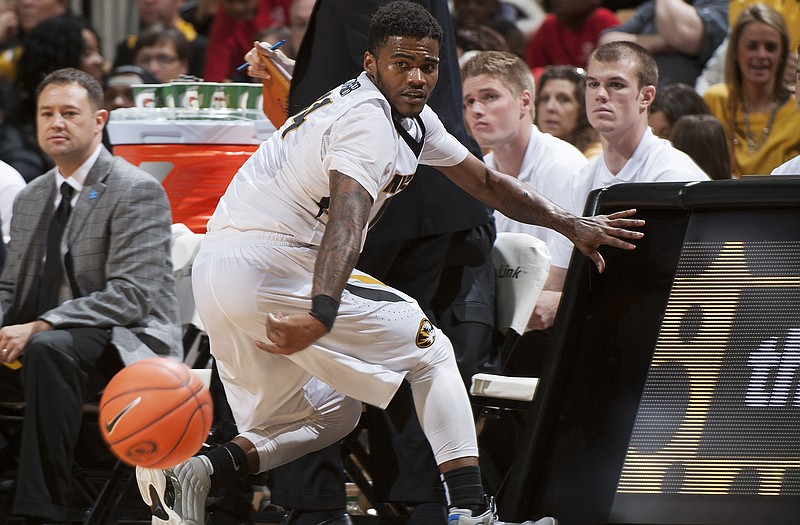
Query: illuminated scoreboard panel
x=673, y=391
x=720, y=411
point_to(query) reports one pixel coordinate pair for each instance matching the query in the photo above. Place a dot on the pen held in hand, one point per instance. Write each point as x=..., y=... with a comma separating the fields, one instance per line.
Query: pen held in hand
x=273, y=47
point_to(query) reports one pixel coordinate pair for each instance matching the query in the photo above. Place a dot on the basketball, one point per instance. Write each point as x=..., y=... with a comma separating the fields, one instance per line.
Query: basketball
x=155, y=413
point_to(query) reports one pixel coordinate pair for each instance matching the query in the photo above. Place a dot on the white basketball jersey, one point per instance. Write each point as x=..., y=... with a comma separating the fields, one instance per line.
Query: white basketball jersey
x=284, y=186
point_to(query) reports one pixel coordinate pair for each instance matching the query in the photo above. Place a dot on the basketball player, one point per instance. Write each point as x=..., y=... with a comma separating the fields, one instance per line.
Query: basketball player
x=280, y=253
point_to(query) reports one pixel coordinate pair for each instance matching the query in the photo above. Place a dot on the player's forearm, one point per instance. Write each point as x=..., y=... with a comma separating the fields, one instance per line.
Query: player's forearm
x=522, y=203
x=338, y=252
x=509, y=196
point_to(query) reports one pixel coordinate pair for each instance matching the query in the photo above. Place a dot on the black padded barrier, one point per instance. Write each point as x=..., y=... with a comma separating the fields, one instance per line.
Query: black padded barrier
x=672, y=391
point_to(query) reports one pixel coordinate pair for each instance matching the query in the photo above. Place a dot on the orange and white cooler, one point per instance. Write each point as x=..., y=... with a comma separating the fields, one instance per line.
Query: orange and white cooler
x=194, y=153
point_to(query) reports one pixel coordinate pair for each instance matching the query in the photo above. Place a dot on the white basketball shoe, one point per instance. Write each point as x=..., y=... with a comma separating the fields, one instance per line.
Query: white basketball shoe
x=176, y=496
x=465, y=517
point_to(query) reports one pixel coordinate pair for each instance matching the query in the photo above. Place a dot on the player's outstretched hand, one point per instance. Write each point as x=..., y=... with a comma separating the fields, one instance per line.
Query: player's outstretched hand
x=291, y=333
x=258, y=56
x=592, y=232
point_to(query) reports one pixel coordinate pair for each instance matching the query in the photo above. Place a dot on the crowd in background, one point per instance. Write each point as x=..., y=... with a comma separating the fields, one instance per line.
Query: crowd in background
x=691, y=41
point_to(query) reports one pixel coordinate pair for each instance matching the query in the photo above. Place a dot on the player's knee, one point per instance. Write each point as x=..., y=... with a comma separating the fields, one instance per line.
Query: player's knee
x=347, y=415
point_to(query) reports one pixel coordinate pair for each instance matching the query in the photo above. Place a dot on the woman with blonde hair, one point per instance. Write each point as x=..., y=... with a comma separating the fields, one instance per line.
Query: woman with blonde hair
x=753, y=104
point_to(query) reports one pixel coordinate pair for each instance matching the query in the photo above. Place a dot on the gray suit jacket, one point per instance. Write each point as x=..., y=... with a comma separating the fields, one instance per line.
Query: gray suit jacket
x=117, y=254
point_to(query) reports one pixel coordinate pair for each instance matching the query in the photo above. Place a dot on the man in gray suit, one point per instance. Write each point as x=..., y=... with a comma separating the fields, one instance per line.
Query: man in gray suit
x=105, y=299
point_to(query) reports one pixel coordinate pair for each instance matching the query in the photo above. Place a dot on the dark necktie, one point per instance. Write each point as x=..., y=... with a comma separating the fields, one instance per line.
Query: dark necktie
x=52, y=276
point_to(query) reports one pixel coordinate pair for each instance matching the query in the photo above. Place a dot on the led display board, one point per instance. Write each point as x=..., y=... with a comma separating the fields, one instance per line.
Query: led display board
x=673, y=392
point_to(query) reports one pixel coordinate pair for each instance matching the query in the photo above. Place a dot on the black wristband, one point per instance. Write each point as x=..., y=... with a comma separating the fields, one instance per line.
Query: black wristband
x=324, y=309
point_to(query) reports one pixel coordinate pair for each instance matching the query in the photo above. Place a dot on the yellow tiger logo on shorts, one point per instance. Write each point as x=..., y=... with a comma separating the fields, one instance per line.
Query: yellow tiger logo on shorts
x=426, y=334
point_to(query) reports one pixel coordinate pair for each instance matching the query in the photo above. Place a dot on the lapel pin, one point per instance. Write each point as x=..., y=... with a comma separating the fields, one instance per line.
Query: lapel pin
x=92, y=194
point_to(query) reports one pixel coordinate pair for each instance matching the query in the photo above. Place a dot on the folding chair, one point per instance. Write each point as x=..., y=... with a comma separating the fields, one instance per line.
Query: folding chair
x=185, y=245
x=521, y=265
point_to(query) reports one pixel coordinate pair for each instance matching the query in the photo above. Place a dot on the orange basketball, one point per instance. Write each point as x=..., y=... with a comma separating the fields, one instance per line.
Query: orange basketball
x=155, y=413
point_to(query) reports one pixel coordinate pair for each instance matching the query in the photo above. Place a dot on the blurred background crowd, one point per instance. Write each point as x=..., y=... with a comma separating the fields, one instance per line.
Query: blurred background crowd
x=716, y=56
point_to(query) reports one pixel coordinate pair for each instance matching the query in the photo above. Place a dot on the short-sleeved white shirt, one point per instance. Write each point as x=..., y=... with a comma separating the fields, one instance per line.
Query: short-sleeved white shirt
x=790, y=167
x=549, y=165
x=284, y=186
x=654, y=160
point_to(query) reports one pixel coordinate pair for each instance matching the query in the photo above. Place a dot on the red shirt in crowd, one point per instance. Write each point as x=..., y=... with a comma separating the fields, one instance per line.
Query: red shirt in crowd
x=554, y=44
x=229, y=40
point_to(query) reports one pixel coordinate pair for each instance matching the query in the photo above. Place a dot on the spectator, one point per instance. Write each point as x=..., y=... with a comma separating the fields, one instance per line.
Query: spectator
x=471, y=13
x=200, y=14
x=702, y=137
x=92, y=60
x=754, y=104
x=32, y=13
x=499, y=108
x=478, y=38
x=118, y=92
x=9, y=24
x=299, y=17
x=503, y=18
x=165, y=12
x=621, y=84
x=77, y=306
x=790, y=11
x=514, y=37
x=15, y=150
x=60, y=41
x=561, y=108
x=301, y=12
x=792, y=166
x=569, y=34
x=232, y=34
x=29, y=15
x=55, y=43
x=163, y=51
x=680, y=35
x=714, y=72
x=11, y=183
x=670, y=104
x=273, y=34
x=527, y=14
